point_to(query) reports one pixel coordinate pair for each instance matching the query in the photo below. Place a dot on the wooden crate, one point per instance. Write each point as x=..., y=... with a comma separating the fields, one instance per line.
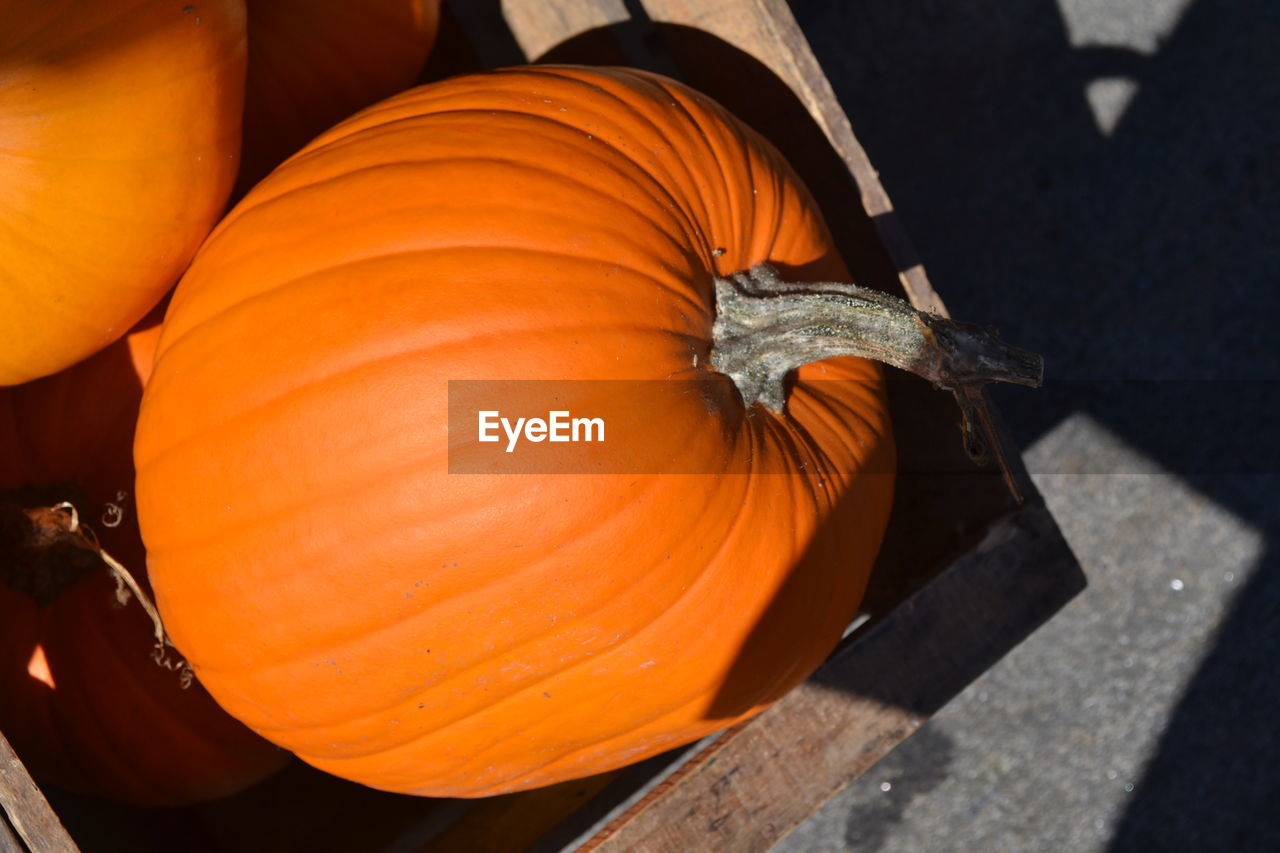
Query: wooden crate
x=964, y=575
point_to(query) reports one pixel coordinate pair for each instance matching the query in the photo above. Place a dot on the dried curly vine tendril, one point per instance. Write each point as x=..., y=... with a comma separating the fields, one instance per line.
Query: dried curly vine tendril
x=766, y=327
x=49, y=549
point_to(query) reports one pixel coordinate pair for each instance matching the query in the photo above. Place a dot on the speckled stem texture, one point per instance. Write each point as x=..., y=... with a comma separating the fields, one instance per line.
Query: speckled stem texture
x=766, y=327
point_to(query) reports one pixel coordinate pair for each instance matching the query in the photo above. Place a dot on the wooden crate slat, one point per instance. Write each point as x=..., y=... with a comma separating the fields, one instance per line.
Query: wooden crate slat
x=538, y=27
x=26, y=808
x=9, y=841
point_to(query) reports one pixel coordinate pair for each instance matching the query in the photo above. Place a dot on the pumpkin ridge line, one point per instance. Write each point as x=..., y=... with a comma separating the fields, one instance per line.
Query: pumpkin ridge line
x=502, y=786
x=329, y=644
x=799, y=437
x=825, y=503
x=728, y=189
x=652, y=183
x=604, y=746
x=745, y=140
x=402, y=355
x=707, y=306
x=751, y=481
x=674, y=97
x=424, y=96
x=690, y=220
x=693, y=222
x=168, y=342
x=350, y=489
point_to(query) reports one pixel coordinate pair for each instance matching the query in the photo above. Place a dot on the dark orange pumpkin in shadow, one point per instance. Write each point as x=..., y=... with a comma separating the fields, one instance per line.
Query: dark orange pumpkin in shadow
x=312, y=63
x=84, y=704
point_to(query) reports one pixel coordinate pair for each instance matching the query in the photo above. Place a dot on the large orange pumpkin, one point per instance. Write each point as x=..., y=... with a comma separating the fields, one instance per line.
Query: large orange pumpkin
x=119, y=132
x=314, y=62
x=84, y=703
x=337, y=589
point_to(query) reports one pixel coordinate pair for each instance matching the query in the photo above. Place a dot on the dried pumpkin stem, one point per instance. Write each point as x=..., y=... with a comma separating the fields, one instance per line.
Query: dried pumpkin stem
x=50, y=550
x=766, y=327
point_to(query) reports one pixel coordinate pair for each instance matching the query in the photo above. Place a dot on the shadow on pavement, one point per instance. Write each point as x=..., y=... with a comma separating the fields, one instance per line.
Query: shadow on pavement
x=1145, y=253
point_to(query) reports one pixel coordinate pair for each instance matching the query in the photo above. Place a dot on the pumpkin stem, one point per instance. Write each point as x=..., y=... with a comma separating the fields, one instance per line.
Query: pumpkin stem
x=45, y=550
x=766, y=327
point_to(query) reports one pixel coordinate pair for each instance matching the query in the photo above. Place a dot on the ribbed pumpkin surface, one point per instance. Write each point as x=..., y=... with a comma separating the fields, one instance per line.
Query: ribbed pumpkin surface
x=119, y=132
x=343, y=594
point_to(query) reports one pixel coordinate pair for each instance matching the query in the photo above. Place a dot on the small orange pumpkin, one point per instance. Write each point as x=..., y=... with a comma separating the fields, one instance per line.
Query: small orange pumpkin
x=338, y=590
x=85, y=705
x=312, y=63
x=119, y=132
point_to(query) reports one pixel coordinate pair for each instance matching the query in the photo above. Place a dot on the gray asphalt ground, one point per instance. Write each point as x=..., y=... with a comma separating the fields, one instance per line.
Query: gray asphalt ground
x=1101, y=180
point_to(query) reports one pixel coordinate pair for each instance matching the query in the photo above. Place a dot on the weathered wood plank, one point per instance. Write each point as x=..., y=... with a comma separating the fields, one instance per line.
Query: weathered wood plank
x=26, y=808
x=538, y=27
x=9, y=841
